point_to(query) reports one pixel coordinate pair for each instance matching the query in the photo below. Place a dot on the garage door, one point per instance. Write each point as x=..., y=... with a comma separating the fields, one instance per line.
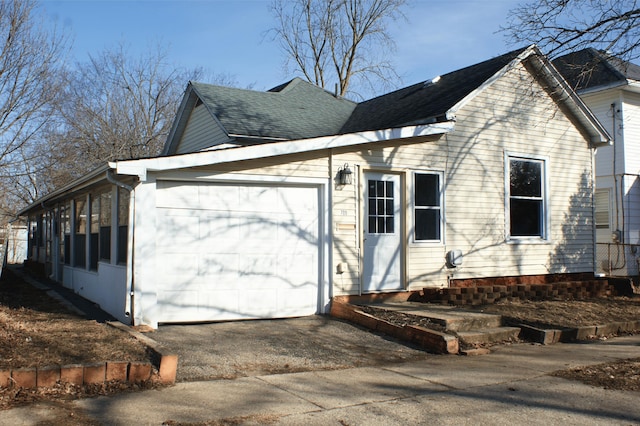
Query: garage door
x=229, y=251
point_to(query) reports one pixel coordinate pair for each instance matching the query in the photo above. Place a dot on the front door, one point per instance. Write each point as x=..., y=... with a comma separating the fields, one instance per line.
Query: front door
x=382, y=233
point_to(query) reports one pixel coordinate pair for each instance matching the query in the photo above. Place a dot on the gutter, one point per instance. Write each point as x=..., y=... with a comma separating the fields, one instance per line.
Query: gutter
x=129, y=285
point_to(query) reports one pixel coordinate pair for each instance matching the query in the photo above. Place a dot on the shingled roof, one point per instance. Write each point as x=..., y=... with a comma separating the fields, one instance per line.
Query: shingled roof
x=299, y=110
x=425, y=102
x=294, y=110
x=590, y=68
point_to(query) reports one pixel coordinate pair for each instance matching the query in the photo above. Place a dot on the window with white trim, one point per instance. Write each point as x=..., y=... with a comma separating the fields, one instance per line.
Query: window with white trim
x=603, y=213
x=527, y=205
x=427, y=207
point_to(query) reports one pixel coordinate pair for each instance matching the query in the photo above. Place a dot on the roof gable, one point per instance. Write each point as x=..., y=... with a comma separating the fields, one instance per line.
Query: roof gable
x=295, y=110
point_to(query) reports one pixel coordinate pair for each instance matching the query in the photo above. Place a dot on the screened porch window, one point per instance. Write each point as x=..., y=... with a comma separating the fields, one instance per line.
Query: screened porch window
x=80, y=234
x=123, y=223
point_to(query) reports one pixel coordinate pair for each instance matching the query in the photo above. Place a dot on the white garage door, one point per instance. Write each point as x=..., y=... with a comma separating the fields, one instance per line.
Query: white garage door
x=236, y=251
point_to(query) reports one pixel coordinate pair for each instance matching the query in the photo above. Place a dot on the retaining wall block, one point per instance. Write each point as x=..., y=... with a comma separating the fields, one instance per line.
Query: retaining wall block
x=94, y=373
x=5, y=378
x=47, y=376
x=72, y=374
x=24, y=377
x=168, y=368
x=139, y=371
x=116, y=370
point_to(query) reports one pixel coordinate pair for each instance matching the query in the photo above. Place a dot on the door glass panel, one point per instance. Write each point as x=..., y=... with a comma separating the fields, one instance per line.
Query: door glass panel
x=381, y=207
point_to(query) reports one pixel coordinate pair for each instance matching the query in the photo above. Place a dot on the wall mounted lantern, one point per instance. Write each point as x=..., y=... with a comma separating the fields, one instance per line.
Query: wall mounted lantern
x=345, y=175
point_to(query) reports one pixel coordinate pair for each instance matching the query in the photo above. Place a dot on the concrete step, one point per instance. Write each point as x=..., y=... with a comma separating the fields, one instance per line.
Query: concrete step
x=489, y=335
x=451, y=318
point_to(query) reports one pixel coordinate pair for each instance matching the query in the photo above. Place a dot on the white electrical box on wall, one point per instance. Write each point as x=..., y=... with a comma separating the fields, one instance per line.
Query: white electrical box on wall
x=454, y=258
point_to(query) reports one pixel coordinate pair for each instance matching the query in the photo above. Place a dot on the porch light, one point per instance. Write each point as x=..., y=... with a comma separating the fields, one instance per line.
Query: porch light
x=345, y=175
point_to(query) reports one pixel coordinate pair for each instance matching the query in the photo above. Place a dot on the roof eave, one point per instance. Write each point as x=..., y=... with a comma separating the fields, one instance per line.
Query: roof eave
x=598, y=134
x=77, y=185
x=141, y=167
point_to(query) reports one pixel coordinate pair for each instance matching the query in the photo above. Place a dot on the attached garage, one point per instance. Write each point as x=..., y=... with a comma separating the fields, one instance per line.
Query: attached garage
x=229, y=251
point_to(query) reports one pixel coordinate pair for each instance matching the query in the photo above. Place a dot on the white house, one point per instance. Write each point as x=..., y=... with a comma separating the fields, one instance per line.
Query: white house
x=268, y=204
x=611, y=89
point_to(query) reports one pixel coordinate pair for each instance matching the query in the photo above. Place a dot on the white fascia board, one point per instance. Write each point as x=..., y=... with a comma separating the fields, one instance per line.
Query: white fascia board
x=451, y=113
x=203, y=158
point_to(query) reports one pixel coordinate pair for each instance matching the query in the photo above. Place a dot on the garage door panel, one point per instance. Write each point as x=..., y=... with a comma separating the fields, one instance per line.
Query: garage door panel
x=239, y=252
x=177, y=195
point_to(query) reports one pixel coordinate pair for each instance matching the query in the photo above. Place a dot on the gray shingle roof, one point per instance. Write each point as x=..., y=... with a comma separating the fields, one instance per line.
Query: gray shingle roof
x=294, y=110
x=299, y=110
x=590, y=68
x=424, y=102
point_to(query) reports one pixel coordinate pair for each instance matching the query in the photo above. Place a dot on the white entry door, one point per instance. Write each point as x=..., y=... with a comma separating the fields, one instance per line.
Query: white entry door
x=382, y=233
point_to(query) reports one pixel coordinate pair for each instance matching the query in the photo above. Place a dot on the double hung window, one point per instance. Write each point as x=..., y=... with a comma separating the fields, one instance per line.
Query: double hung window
x=527, y=203
x=427, y=209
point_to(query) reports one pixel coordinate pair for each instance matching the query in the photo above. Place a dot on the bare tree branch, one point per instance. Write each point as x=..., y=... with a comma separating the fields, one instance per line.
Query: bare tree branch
x=562, y=26
x=342, y=42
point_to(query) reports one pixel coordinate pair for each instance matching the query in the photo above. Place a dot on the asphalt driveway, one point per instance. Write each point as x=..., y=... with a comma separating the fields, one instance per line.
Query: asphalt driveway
x=227, y=350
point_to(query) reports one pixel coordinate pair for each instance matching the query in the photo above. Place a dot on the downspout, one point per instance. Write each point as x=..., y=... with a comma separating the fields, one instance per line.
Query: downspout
x=129, y=298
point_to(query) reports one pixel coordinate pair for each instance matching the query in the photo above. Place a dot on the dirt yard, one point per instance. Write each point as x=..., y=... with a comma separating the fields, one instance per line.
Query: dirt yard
x=35, y=330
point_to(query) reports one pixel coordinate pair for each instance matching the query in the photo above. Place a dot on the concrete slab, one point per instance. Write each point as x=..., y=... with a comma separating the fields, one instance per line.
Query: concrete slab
x=465, y=372
x=333, y=389
x=193, y=402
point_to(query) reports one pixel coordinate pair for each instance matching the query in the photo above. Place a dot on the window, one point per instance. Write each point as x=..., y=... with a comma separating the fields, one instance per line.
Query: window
x=602, y=209
x=427, y=213
x=80, y=232
x=105, y=226
x=65, y=234
x=123, y=222
x=526, y=198
x=94, y=233
x=381, y=207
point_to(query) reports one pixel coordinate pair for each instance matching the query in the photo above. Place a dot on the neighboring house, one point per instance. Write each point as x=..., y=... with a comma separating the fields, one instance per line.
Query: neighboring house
x=268, y=204
x=611, y=89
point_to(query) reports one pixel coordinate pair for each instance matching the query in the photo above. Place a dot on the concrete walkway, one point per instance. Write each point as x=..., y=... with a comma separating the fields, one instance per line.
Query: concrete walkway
x=509, y=386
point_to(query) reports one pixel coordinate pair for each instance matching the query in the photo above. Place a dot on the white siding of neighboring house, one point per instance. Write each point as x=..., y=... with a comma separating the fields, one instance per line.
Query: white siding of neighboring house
x=624, y=187
x=503, y=119
x=631, y=127
x=201, y=132
x=600, y=105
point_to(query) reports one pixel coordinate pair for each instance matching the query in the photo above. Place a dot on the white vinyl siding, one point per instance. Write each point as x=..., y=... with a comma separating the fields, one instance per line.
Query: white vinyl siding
x=201, y=132
x=631, y=127
x=514, y=115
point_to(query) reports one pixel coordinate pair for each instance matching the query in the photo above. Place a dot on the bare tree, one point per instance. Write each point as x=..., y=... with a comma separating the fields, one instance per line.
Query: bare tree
x=119, y=107
x=30, y=59
x=341, y=42
x=562, y=26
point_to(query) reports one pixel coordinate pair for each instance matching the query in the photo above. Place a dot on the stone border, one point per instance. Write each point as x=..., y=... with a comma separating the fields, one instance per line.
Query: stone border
x=431, y=340
x=167, y=363
x=551, y=336
x=163, y=369
x=488, y=294
x=77, y=374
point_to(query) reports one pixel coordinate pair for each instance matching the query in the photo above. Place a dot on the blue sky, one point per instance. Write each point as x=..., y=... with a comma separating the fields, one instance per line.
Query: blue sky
x=228, y=37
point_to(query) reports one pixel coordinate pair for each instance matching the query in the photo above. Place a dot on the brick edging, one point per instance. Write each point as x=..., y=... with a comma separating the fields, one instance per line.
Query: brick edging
x=78, y=374
x=431, y=340
x=162, y=371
